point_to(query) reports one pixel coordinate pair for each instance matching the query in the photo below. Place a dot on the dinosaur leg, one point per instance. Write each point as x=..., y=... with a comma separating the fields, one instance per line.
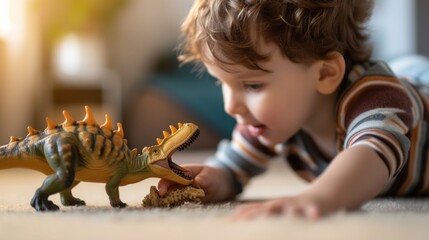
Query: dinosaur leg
x=67, y=198
x=61, y=157
x=112, y=189
x=40, y=200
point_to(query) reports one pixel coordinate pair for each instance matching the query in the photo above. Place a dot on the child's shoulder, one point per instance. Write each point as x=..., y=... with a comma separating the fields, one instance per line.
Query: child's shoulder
x=373, y=86
x=368, y=69
x=370, y=76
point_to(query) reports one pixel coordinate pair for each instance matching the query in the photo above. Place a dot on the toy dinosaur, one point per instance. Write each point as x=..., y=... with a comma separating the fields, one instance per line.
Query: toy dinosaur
x=76, y=151
x=173, y=198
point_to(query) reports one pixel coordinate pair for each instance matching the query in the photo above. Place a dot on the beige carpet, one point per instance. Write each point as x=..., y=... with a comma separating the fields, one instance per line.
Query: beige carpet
x=379, y=219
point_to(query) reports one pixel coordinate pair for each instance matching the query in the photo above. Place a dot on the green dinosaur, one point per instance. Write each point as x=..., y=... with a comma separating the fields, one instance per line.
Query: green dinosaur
x=76, y=151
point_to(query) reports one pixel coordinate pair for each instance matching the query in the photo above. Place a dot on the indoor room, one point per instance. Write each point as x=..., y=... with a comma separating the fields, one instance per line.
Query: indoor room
x=70, y=63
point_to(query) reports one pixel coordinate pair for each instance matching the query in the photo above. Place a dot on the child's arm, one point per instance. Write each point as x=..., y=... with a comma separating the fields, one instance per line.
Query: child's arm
x=355, y=176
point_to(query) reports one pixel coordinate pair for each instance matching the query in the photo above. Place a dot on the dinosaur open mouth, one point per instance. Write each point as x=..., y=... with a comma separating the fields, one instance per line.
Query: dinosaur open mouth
x=182, y=172
x=178, y=170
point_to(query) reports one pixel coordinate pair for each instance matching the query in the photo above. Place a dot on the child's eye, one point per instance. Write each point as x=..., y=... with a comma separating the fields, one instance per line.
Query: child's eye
x=253, y=87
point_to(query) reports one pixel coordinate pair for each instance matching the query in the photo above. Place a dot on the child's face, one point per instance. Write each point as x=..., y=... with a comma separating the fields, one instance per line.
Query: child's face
x=272, y=105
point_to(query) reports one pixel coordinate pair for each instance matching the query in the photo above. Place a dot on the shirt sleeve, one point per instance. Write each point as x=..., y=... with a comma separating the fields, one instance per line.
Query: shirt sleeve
x=380, y=112
x=242, y=157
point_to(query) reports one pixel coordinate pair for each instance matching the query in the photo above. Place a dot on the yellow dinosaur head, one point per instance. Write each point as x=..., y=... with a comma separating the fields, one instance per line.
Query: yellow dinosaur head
x=159, y=156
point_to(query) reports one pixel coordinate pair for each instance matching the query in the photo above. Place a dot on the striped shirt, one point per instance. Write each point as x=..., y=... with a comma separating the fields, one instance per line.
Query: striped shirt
x=375, y=109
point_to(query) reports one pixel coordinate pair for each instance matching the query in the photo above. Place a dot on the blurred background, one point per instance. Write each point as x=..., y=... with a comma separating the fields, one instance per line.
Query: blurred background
x=119, y=57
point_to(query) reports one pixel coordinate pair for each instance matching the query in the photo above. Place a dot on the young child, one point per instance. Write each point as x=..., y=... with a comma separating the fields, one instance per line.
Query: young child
x=296, y=76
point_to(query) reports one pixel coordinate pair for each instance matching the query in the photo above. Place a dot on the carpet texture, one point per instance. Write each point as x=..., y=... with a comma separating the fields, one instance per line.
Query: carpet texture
x=378, y=219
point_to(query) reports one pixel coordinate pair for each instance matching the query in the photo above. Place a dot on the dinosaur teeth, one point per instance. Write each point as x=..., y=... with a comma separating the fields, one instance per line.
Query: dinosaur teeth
x=178, y=170
x=181, y=174
x=189, y=141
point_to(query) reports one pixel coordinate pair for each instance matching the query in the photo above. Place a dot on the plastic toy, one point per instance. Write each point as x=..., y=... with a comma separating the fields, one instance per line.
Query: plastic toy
x=76, y=151
x=173, y=198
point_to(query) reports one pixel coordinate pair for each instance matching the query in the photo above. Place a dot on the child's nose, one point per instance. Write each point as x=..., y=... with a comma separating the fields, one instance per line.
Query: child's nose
x=233, y=105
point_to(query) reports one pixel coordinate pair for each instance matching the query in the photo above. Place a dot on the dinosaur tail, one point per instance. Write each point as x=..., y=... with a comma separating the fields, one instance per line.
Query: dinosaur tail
x=10, y=155
x=17, y=154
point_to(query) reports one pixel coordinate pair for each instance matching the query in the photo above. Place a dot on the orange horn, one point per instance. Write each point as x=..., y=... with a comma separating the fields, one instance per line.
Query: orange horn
x=173, y=129
x=50, y=124
x=107, y=123
x=13, y=139
x=68, y=119
x=166, y=134
x=120, y=130
x=31, y=131
x=89, y=117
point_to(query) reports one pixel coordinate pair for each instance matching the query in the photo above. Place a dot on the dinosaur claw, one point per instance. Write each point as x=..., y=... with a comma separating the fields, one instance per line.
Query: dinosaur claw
x=72, y=202
x=42, y=204
x=118, y=204
x=50, y=206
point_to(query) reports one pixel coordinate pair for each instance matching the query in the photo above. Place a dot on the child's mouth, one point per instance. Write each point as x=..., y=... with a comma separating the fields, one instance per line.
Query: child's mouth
x=256, y=130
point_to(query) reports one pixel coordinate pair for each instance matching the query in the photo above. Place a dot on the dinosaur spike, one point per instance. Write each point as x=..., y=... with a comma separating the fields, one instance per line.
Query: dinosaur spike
x=159, y=140
x=13, y=139
x=50, y=124
x=180, y=124
x=125, y=141
x=166, y=134
x=107, y=123
x=31, y=131
x=120, y=130
x=68, y=119
x=173, y=129
x=134, y=152
x=89, y=117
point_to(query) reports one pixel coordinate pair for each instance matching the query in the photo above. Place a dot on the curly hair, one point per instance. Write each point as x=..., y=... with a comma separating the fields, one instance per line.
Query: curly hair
x=304, y=30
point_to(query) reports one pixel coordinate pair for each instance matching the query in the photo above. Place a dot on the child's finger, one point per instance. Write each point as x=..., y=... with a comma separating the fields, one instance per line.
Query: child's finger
x=164, y=185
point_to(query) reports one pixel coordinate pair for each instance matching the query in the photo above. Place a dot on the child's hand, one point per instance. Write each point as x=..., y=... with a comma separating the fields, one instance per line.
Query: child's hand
x=303, y=206
x=212, y=180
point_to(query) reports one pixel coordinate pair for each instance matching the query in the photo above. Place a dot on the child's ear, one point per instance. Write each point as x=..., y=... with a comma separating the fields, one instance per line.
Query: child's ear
x=331, y=73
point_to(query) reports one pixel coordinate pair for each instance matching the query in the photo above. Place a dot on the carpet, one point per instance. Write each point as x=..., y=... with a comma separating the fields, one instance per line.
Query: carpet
x=378, y=219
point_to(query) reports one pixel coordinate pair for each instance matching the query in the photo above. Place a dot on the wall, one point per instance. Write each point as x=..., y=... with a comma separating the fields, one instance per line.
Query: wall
x=393, y=29
x=422, y=9
x=143, y=31
x=148, y=28
x=20, y=72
